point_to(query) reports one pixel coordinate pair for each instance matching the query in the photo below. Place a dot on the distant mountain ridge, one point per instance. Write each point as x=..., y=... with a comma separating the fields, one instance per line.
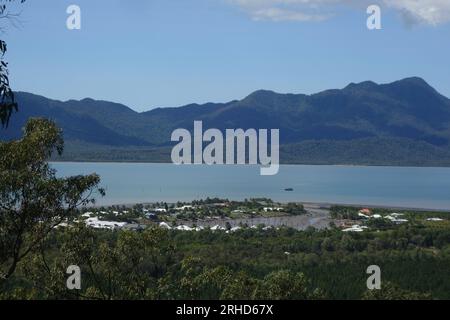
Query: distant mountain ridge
x=406, y=122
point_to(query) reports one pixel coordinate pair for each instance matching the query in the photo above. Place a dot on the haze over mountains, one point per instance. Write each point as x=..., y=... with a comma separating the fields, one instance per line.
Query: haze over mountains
x=406, y=122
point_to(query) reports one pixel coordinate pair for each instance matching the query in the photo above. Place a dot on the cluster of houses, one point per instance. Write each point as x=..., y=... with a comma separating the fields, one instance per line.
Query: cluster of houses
x=396, y=218
x=165, y=225
x=435, y=219
x=182, y=208
x=99, y=224
x=155, y=211
x=270, y=209
x=393, y=217
x=368, y=214
x=114, y=212
x=355, y=228
x=92, y=220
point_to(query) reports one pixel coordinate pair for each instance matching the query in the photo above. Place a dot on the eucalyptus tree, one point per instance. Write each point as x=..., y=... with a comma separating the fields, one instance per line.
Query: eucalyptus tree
x=7, y=102
x=33, y=200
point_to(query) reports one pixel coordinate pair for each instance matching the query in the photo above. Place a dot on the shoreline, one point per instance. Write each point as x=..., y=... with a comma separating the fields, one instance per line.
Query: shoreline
x=325, y=205
x=307, y=205
x=281, y=164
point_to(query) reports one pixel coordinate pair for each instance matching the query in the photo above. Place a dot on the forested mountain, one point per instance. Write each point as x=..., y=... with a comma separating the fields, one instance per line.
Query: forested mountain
x=406, y=122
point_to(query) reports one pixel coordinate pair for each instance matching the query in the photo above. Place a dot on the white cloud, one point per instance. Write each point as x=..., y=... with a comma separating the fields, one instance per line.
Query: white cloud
x=431, y=12
x=287, y=10
x=278, y=14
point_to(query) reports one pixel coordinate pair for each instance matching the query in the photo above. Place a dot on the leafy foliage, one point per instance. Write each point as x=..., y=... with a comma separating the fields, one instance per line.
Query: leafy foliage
x=248, y=264
x=33, y=201
x=7, y=102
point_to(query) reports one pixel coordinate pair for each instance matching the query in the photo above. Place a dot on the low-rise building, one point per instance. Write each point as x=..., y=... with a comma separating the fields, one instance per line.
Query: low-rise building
x=100, y=224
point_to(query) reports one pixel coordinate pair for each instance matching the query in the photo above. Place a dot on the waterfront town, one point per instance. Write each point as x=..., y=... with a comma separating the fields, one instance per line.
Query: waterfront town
x=265, y=214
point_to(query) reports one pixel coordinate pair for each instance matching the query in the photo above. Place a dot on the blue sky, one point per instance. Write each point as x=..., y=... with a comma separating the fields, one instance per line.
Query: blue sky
x=164, y=53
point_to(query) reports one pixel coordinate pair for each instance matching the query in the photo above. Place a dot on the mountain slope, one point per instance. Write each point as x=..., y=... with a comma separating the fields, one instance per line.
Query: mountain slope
x=80, y=121
x=407, y=121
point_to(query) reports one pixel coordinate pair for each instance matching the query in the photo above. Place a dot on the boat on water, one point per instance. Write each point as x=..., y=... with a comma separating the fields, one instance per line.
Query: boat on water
x=289, y=189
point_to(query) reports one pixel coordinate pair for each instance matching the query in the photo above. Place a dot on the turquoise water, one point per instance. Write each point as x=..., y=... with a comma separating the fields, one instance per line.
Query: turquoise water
x=128, y=183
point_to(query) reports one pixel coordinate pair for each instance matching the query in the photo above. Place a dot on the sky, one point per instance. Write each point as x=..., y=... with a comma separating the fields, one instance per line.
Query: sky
x=167, y=53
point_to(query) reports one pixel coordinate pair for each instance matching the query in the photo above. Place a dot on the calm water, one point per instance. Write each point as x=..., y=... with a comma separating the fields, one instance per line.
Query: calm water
x=128, y=183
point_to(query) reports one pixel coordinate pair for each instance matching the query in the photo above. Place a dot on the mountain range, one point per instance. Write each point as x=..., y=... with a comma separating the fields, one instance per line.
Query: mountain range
x=406, y=122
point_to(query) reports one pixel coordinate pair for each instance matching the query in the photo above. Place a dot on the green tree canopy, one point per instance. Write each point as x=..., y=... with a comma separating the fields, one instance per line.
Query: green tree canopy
x=33, y=201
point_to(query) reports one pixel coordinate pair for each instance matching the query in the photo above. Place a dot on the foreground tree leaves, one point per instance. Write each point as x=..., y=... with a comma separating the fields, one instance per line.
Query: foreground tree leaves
x=119, y=265
x=33, y=201
x=7, y=102
x=390, y=291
